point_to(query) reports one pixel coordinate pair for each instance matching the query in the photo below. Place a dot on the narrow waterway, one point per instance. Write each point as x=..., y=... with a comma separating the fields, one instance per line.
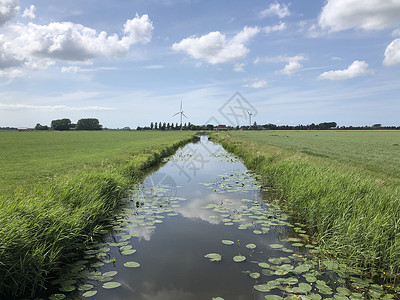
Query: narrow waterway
x=202, y=227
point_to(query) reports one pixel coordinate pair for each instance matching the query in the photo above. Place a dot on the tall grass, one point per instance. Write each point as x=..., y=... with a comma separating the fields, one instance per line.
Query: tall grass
x=355, y=217
x=41, y=227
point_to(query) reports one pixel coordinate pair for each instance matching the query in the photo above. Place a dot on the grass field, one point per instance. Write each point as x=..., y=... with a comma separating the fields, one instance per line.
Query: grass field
x=59, y=188
x=344, y=184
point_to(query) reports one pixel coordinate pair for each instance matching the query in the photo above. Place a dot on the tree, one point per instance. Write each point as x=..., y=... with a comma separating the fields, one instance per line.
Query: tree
x=41, y=127
x=61, y=124
x=88, y=124
x=155, y=125
x=160, y=126
x=151, y=126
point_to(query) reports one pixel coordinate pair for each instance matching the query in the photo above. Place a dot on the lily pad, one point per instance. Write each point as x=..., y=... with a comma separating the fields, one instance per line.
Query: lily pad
x=239, y=258
x=132, y=264
x=111, y=285
x=251, y=246
x=110, y=273
x=273, y=297
x=128, y=252
x=89, y=294
x=213, y=256
x=264, y=265
x=255, y=275
x=85, y=287
x=276, y=246
x=228, y=242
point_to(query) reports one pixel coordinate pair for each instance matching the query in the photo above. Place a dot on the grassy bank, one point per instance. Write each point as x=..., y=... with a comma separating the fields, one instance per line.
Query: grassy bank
x=80, y=178
x=344, y=185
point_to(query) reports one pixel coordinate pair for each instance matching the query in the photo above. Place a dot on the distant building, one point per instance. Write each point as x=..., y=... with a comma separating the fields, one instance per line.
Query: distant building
x=221, y=127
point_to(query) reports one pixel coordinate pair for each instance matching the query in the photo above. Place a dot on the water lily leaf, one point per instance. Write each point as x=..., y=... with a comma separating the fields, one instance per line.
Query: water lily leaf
x=276, y=246
x=297, y=244
x=251, y=246
x=213, y=256
x=228, y=242
x=312, y=297
x=132, y=264
x=255, y=275
x=67, y=288
x=304, y=288
x=89, y=294
x=341, y=297
x=128, y=252
x=276, y=261
x=97, y=264
x=301, y=269
x=257, y=231
x=267, y=272
x=343, y=291
x=273, y=297
x=111, y=285
x=217, y=298
x=239, y=258
x=262, y=288
x=85, y=287
x=110, y=273
x=264, y=265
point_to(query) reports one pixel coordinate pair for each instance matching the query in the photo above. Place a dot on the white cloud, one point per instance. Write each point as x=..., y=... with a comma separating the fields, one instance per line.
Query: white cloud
x=340, y=15
x=70, y=69
x=275, y=9
x=239, y=67
x=154, y=67
x=280, y=27
x=7, y=58
x=258, y=84
x=392, y=53
x=396, y=32
x=11, y=73
x=72, y=42
x=357, y=68
x=29, y=13
x=214, y=48
x=8, y=10
x=291, y=67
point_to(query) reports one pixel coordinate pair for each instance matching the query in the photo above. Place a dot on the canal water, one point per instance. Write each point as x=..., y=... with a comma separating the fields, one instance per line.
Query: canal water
x=202, y=227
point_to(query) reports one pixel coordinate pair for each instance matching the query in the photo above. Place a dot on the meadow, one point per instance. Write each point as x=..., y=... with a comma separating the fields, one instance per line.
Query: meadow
x=57, y=191
x=345, y=185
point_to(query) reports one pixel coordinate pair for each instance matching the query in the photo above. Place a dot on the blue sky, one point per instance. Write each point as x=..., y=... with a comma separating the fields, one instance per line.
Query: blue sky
x=129, y=63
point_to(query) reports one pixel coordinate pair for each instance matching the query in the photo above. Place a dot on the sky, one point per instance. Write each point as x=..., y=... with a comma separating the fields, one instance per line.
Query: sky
x=130, y=63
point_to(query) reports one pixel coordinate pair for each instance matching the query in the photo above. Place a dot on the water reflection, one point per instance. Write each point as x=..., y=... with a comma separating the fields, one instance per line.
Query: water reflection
x=183, y=212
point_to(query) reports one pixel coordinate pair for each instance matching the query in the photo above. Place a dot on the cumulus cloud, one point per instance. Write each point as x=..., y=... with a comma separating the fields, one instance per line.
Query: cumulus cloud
x=340, y=15
x=258, y=84
x=276, y=9
x=38, y=46
x=74, y=42
x=280, y=27
x=291, y=67
x=29, y=13
x=357, y=68
x=215, y=48
x=8, y=10
x=392, y=53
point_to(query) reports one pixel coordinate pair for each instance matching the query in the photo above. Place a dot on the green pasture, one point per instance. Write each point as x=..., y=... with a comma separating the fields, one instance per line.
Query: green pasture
x=27, y=158
x=345, y=185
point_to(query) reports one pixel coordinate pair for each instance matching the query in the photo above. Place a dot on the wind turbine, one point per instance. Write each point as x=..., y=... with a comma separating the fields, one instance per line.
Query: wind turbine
x=250, y=114
x=180, y=112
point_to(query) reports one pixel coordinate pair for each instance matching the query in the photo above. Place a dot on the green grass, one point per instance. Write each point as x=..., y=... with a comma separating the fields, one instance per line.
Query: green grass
x=344, y=185
x=26, y=157
x=61, y=187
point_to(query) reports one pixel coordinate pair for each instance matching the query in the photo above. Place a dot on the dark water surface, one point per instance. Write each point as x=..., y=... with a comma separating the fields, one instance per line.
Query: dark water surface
x=182, y=212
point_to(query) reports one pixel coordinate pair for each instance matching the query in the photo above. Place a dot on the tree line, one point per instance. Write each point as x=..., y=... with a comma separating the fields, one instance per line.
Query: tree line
x=66, y=124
